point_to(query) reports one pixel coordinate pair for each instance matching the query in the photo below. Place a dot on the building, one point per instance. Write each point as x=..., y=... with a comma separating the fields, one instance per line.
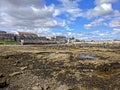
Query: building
x=7, y=36
x=61, y=39
x=58, y=39
x=27, y=34
x=1, y=32
x=32, y=38
x=2, y=35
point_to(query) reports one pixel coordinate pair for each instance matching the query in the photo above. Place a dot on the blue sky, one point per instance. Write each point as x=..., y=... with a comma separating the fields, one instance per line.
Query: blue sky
x=82, y=19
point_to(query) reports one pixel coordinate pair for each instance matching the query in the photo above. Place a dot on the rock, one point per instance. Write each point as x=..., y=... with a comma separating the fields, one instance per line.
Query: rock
x=16, y=63
x=1, y=75
x=62, y=87
x=36, y=88
x=23, y=68
x=3, y=82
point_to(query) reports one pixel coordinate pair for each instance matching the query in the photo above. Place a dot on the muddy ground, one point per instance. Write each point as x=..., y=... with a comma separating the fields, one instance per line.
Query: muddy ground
x=59, y=67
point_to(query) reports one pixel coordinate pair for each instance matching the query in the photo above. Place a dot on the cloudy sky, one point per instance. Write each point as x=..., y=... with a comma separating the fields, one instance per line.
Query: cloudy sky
x=83, y=19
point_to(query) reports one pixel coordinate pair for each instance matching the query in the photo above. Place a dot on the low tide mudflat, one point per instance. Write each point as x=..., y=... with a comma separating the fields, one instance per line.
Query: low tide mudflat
x=59, y=67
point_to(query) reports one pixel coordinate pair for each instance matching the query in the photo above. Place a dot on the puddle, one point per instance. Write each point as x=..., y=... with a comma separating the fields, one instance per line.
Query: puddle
x=86, y=56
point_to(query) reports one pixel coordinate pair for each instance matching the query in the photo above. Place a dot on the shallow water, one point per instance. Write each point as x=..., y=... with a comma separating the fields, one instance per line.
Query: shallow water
x=86, y=56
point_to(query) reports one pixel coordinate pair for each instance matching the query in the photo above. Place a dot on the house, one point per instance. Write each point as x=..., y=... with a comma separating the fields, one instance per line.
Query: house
x=7, y=36
x=58, y=39
x=1, y=32
x=27, y=34
x=61, y=39
x=32, y=38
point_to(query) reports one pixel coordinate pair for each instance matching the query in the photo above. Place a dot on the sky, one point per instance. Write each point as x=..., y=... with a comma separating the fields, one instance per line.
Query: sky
x=82, y=19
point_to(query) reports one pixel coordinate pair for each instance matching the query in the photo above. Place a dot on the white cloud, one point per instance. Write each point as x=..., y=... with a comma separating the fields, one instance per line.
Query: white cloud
x=94, y=23
x=116, y=31
x=68, y=28
x=35, y=14
x=31, y=13
x=97, y=2
x=102, y=8
x=39, y=31
x=95, y=35
x=116, y=13
x=106, y=7
x=70, y=9
x=115, y=23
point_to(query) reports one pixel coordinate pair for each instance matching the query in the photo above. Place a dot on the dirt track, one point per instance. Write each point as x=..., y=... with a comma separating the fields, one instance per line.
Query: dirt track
x=56, y=67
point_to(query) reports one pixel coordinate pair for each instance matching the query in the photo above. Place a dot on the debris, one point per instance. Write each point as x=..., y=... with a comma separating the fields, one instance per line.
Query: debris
x=15, y=73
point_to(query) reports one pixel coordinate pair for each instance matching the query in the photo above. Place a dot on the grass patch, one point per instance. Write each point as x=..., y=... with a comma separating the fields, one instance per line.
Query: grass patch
x=5, y=42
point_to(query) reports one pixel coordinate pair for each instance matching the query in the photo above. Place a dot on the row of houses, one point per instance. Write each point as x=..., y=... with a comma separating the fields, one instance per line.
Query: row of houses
x=7, y=36
x=32, y=38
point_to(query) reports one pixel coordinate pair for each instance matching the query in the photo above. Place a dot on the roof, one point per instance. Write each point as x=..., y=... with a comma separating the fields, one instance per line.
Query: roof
x=3, y=32
x=27, y=33
x=60, y=36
